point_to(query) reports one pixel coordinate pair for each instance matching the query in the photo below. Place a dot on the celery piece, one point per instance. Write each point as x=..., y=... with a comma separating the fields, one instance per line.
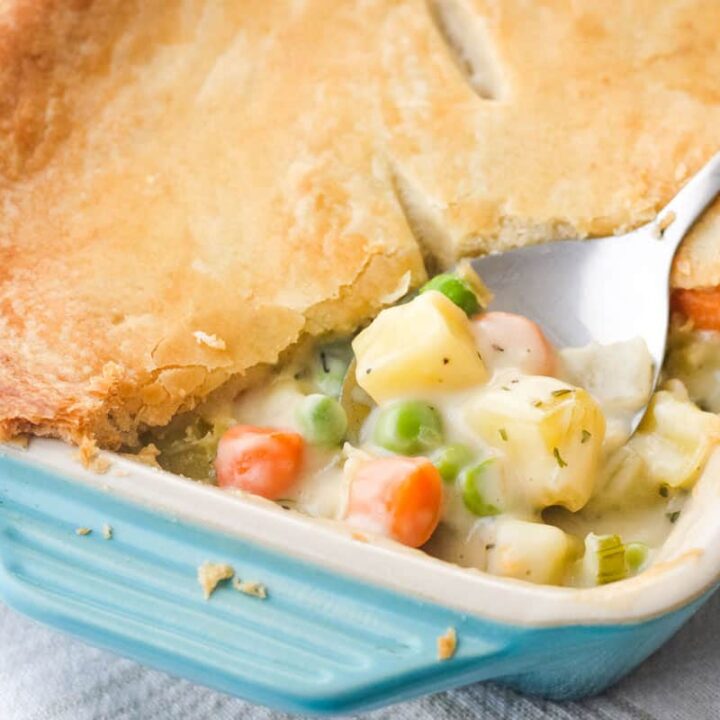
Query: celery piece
x=636, y=555
x=188, y=445
x=605, y=558
x=480, y=487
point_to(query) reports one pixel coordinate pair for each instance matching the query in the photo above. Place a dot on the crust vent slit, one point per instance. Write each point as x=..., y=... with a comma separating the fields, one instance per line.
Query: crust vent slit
x=432, y=240
x=466, y=37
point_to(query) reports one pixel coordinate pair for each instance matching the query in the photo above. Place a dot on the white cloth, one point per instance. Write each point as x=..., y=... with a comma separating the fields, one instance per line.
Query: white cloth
x=47, y=676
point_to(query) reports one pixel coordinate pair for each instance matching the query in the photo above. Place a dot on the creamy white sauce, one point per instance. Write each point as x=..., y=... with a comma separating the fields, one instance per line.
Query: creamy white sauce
x=618, y=377
x=694, y=358
x=322, y=489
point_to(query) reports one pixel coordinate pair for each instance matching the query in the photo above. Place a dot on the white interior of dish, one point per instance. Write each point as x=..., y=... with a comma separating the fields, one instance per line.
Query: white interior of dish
x=688, y=563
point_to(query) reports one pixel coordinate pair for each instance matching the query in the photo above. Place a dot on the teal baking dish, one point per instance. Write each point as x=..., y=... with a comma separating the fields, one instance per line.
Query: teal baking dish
x=347, y=625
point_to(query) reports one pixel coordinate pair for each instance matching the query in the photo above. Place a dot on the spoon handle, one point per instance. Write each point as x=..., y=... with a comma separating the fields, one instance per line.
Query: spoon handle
x=688, y=205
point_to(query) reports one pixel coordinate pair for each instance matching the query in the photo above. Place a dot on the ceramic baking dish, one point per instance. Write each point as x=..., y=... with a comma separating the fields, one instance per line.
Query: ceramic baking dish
x=348, y=625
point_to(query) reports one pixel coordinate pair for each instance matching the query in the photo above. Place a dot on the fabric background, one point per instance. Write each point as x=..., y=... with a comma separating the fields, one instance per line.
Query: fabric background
x=47, y=676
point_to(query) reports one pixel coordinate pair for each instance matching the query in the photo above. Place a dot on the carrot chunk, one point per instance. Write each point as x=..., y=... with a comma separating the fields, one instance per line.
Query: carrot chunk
x=400, y=497
x=700, y=305
x=509, y=340
x=263, y=461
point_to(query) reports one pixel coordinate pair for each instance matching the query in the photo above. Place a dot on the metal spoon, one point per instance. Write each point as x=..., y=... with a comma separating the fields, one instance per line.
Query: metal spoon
x=607, y=289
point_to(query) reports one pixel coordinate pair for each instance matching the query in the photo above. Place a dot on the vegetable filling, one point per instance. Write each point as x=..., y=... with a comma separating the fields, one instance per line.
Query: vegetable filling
x=463, y=431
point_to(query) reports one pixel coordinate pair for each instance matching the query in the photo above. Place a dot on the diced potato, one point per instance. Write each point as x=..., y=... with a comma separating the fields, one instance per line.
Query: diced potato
x=675, y=439
x=619, y=375
x=529, y=551
x=421, y=346
x=694, y=358
x=550, y=433
x=624, y=482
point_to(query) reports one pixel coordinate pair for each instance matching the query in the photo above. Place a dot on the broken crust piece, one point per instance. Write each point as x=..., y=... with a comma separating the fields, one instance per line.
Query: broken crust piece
x=147, y=455
x=210, y=575
x=168, y=168
x=250, y=587
x=89, y=455
x=447, y=644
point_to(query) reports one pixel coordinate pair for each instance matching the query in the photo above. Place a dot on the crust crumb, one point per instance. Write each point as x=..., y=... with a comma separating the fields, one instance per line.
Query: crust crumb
x=360, y=537
x=87, y=452
x=101, y=465
x=107, y=531
x=147, y=455
x=250, y=587
x=82, y=531
x=447, y=644
x=89, y=455
x=211, y=341
x=210, y=575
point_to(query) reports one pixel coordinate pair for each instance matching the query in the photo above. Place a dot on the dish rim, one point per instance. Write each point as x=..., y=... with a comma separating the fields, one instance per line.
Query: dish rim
x=688, y=564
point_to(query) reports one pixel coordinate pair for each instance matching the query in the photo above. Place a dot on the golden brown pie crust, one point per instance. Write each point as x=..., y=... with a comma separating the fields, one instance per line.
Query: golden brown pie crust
x=255, y=172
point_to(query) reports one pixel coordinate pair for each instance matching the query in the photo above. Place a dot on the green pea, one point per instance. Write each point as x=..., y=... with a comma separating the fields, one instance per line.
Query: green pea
x=449, y=460
x=408, y=427
x=636, y=554
x=322, y=420
x=476, y=484
x=456, y=289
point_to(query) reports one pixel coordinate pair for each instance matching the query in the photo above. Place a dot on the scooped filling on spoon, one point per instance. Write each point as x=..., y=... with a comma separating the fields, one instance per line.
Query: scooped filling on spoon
x=463, y=431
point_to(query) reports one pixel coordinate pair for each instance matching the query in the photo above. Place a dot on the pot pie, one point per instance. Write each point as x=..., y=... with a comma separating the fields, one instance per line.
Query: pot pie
x=216, y=218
